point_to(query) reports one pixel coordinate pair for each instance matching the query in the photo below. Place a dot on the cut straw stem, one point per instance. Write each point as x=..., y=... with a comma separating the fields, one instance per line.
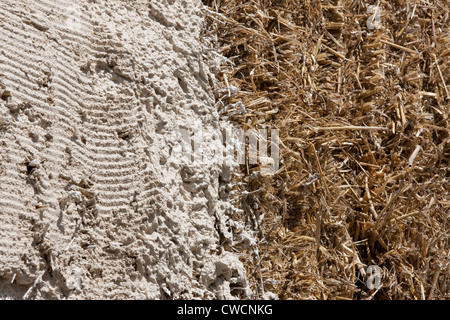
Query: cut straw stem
x=351, y=128
x=441, y=76
x=397, y=46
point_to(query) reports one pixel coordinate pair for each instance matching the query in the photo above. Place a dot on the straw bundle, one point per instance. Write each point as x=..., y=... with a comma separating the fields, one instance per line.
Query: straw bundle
x=363, y=116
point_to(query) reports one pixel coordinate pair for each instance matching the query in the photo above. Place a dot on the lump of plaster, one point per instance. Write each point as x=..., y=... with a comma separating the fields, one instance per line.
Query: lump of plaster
x=227, y=276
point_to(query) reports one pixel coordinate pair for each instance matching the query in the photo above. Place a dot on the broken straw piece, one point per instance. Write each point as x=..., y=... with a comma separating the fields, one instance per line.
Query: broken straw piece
x=414, y=155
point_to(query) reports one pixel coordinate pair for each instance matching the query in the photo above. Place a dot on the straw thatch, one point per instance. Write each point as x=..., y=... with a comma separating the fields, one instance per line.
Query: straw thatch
x=363, y=116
